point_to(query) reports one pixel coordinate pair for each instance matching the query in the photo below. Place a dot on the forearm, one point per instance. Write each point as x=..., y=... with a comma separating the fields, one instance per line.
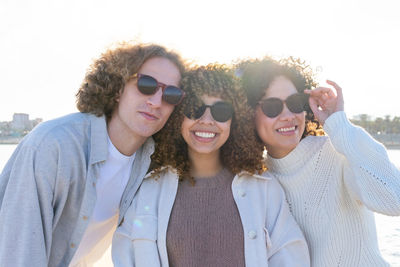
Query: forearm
x=368, y=172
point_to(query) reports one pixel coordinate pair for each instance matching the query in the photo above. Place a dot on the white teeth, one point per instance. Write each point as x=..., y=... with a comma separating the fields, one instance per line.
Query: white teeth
x=287, y=129
x=205, y=134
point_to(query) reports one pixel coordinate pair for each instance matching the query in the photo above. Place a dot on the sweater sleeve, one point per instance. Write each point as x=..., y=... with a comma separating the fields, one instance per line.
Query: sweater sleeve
x=286, y=244
x=368, y=173
x=26, y=212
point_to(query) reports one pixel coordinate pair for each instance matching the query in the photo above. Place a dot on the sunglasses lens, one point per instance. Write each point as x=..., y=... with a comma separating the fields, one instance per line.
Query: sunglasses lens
x=296, y=103
x=222, y=111
x=147, y=85
x=198, y=112
x=172, y=95
x=272, y=107
x=194, y=113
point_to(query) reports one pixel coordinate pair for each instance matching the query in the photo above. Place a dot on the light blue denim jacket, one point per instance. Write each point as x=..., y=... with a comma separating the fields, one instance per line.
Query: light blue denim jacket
x=47, y=189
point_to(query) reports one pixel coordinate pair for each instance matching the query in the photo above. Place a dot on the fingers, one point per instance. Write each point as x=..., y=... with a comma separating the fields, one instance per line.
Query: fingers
x=338, y=89
x=319, y=91
x=318, y=113
x=321, y=94
x=313, y=105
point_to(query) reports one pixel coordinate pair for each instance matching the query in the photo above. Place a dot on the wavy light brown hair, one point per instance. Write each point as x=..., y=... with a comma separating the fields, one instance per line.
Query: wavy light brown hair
x=256, y=75
x=241, y=152
x=107, y=76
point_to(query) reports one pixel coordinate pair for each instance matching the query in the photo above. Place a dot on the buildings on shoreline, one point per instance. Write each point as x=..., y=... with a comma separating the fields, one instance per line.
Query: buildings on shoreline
x=11, y=132
x=385, y=131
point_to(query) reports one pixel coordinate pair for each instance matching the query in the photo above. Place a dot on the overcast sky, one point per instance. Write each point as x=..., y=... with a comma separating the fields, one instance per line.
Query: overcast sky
x=47, y=45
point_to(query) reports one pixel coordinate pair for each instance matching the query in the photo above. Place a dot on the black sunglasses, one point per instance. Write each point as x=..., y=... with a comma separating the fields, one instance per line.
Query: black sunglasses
x=273, y=106
x=148, y=85
x=220, y=111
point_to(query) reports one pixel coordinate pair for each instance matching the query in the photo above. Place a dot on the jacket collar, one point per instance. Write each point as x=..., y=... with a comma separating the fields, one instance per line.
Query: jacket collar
x=98, y=139
x=140, y=166
x=264, y=176
x=163, y=169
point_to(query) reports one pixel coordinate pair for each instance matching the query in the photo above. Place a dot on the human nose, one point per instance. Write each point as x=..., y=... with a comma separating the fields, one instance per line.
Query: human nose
x=286, y=114
x=207, y=117
x=155, y=100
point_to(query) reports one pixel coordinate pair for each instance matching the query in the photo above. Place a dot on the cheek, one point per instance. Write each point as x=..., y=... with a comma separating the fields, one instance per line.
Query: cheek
x=302, y=121
x=185, y=129
x=167, y=110
x=227, y=130
x=263, y=123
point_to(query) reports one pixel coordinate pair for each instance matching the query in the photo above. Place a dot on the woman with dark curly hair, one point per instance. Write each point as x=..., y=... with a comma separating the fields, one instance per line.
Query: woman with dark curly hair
x=333, y=183
x=204, y=203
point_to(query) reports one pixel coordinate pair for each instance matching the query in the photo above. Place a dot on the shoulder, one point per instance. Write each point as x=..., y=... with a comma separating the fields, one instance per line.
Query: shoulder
x=322, y=143
x=311, y=145
x=155, y=181
x=314, y=141
x=67, y=138
x=61, y=130
x=266, y=191
x=72, y=123
x=150, y=191
x=265, y=180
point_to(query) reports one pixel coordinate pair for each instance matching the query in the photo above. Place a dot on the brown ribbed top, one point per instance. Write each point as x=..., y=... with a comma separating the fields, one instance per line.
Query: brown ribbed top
x=205, y=227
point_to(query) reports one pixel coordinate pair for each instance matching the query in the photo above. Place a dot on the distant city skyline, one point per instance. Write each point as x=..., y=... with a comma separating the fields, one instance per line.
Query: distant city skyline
x=355, y=116
x=14, y=113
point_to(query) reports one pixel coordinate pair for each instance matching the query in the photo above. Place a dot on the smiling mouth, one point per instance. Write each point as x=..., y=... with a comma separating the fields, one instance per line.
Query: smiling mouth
x=208, y=135
x=286, y=129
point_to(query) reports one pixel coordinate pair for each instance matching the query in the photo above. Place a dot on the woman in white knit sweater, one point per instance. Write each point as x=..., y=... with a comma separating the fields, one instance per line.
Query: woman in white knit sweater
x=334, y=182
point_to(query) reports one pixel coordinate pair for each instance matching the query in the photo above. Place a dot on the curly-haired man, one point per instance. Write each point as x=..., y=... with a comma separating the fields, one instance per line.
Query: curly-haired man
x=70, y=181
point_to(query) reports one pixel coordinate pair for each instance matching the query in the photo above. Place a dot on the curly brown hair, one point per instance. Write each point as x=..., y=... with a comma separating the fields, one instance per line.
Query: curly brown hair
x=240, y=152
x=107, y=76
x=257, y=74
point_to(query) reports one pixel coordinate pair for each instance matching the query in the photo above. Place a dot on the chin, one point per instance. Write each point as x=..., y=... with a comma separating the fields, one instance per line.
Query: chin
x=147, y=132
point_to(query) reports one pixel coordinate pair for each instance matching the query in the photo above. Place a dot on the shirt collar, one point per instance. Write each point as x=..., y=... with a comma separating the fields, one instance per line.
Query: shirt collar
x=263, y=176
x=98, y=139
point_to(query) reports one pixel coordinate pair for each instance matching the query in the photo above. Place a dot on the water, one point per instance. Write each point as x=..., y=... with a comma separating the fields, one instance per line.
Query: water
x=388, y=227
x=5, y=153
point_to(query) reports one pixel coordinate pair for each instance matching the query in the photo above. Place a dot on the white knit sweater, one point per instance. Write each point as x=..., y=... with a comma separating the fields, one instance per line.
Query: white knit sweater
x=333, y=185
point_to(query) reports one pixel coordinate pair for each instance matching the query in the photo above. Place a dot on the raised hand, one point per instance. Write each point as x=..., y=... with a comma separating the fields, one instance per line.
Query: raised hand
x=324, y=102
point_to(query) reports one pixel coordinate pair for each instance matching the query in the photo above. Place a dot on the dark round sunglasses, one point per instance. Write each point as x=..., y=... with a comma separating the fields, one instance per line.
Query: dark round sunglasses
x=273, y=106
x=148, y=85
x=220, y=111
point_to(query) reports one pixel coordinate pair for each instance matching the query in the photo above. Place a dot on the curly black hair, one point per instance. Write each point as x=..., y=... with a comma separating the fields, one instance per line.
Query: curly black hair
x=241, y=152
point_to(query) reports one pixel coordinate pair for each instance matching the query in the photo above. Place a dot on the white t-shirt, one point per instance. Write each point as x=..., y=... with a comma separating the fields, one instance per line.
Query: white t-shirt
x=113, y=177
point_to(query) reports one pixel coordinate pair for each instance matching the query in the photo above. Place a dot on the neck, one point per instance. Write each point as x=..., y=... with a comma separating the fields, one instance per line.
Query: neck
x=124, y=140
x=205, y=165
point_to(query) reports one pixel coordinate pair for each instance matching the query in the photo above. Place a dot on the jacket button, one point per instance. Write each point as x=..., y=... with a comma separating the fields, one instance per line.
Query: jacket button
x=84, y=218
x=252, y=234
x=72, y=245
x=242, y=193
